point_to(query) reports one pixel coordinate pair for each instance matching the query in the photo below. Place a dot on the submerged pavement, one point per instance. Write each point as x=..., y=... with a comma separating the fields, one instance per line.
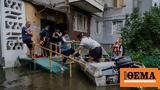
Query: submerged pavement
x=28, y=79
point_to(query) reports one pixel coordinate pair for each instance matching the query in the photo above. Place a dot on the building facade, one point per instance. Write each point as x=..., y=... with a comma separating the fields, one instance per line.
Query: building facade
x=12, y=18
x=114, y=19
x=109, y=28
x=72, y=15
x=146, y=5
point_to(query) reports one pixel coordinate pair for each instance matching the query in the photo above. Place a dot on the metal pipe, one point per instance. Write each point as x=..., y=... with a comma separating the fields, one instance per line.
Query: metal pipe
x=70, y=69
x=50, y=58
x=72, y=59
x=33, y=56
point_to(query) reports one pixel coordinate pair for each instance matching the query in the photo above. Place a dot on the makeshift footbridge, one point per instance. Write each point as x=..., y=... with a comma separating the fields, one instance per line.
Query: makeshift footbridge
x=50, y=63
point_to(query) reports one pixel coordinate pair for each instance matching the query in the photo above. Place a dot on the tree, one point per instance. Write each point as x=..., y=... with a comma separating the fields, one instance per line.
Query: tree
x=142, y=34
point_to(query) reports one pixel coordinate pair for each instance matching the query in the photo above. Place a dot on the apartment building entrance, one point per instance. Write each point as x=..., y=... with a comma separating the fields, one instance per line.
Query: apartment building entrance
x=53, y=26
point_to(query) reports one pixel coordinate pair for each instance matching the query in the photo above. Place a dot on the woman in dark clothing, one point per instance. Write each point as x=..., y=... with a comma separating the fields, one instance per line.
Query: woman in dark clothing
x=56, y=39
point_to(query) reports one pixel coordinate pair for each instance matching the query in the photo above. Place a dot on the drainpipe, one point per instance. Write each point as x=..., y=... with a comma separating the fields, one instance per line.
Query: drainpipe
x=2, y=61
x=68, y=16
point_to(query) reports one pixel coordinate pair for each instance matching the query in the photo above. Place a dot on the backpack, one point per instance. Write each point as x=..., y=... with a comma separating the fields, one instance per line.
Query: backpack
x=123, y=49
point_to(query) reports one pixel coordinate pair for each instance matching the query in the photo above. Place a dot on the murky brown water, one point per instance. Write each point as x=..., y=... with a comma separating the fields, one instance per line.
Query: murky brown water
x=25, y=79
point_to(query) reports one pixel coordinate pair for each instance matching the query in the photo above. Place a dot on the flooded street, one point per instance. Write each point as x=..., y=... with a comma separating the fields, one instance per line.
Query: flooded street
x=25, y=79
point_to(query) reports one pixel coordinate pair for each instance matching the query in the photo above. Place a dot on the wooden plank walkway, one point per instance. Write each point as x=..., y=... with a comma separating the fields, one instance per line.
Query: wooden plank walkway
x=43, y=62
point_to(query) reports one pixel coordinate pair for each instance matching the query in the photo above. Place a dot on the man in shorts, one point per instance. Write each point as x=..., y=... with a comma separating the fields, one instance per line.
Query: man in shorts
x=27, y=37
x=95, y=49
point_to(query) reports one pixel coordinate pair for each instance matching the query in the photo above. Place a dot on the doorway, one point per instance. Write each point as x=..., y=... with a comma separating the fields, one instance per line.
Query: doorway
x=52, y=25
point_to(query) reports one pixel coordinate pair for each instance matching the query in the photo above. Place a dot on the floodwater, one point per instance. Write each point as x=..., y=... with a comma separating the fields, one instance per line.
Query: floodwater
x=29, y=79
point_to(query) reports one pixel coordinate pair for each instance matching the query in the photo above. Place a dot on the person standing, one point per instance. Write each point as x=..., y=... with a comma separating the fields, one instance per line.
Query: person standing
x=27, y=37
x=118, y=49
x=44, y=37
x=56, y=39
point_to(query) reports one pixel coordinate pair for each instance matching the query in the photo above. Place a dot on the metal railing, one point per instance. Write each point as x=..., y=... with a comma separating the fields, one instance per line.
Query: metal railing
x=38, y=46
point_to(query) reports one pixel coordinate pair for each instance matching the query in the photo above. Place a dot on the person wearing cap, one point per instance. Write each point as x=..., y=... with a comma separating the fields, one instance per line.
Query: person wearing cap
x=95, y=49
x=27, y=37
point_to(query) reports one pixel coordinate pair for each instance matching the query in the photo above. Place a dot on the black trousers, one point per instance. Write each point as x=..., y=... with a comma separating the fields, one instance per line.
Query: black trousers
x=96, y=53
x=69, y=52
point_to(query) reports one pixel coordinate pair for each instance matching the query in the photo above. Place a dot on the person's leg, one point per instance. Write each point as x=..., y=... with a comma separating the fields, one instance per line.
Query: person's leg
x=96, y=54
x=29, y=45
x=31, y=52
x=46, y=52
x=47, y=46
x=53, y=48
x=66, y=53
x=90, y=57
x=43, y=51
x=64, y=60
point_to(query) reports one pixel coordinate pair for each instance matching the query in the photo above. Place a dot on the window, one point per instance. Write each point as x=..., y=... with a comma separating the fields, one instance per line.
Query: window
x=116, y=27
x=80, y=23
x=155, y=4
x=118, y=3
x=97, y=25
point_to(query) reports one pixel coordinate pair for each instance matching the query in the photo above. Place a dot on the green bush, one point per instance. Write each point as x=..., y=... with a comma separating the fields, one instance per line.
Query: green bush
x=141, y=35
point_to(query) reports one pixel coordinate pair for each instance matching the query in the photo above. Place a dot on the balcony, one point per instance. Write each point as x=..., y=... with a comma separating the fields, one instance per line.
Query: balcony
x=92, y=6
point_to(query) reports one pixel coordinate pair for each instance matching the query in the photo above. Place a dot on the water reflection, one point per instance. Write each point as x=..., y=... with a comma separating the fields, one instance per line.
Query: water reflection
x=2, y=78
x=24, y=79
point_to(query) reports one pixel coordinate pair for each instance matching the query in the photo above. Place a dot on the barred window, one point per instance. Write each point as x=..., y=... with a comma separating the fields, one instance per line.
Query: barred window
x=116, y=27
x=80, y=23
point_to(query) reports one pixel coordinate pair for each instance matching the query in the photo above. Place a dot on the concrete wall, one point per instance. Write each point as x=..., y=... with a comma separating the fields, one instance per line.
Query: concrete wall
x=113, y=14
x=0, y=38
x=157, y=2
x=12, y=18
x=34, y=19
x=144, y=6
x=96, y=34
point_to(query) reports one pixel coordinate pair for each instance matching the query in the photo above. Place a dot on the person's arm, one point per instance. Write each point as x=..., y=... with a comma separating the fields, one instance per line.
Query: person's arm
x=59, y=34
x=121, y=50
x=77, y=50
x=64, y=40
x=28, y=32
x=81, y=45
x=53, y=34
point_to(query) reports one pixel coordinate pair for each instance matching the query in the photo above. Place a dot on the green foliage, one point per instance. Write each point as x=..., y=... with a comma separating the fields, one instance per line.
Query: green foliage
x=136, y=56
x=141, y=35
x=150, y=61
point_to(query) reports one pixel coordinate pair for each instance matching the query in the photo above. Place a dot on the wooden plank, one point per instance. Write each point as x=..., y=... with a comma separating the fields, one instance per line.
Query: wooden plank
x=44, y=63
